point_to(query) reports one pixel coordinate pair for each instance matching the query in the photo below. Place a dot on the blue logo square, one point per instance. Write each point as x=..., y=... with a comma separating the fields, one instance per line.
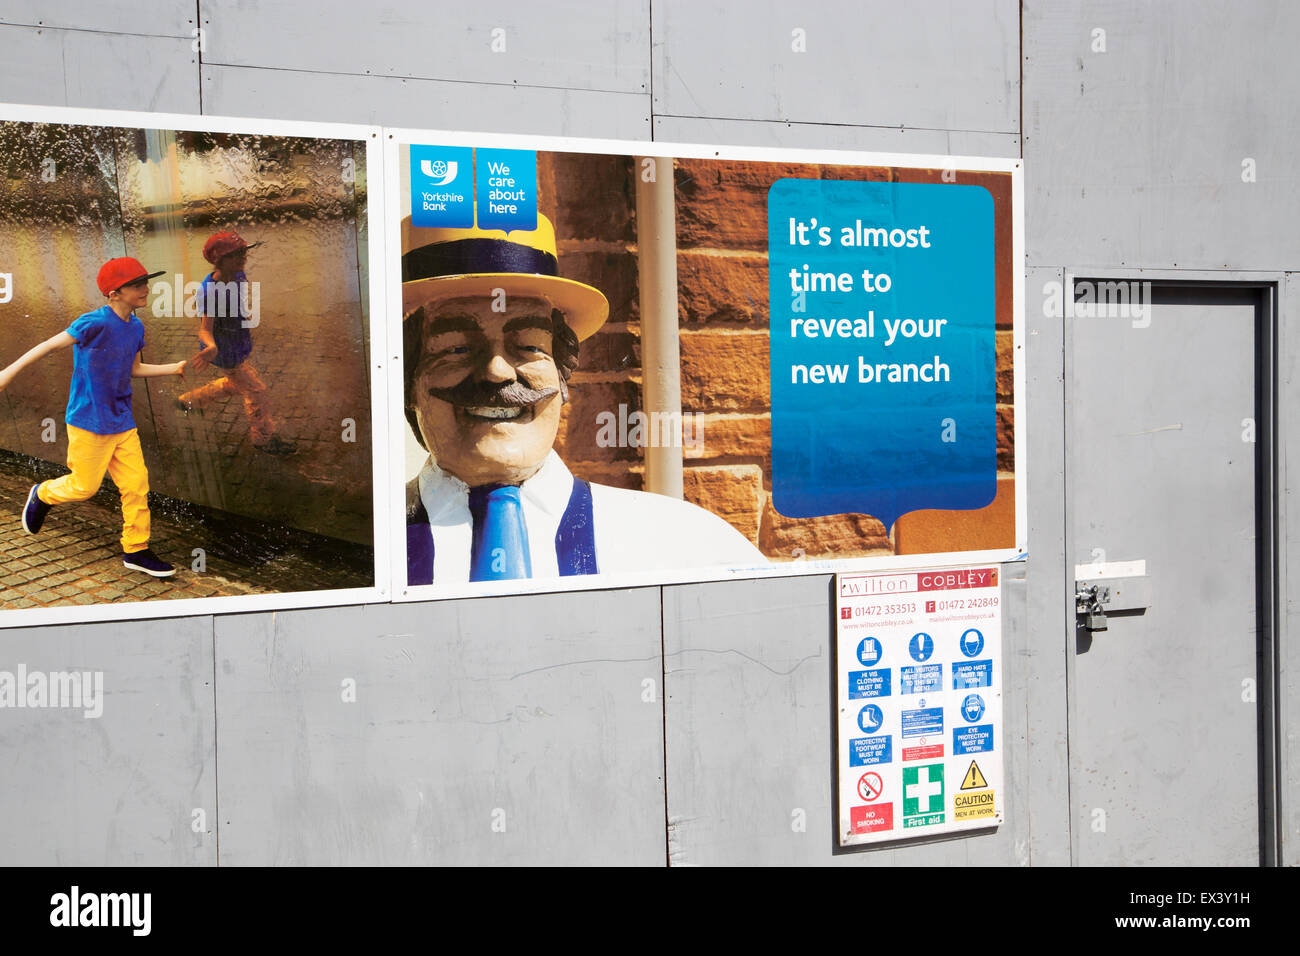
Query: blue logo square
x=507, y=189
x=442, y=186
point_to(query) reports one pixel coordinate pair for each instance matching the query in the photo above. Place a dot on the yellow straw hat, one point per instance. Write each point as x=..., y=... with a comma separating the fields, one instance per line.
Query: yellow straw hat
x=446, y=263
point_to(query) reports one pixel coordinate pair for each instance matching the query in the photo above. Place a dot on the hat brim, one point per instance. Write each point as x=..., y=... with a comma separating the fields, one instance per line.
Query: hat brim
x=230, y=252
x=146, y=278
x=585, y=308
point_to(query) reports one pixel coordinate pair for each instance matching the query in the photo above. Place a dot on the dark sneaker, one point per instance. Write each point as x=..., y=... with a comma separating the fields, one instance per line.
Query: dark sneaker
x=148, y=562
x=277, y=446
x=35, y=511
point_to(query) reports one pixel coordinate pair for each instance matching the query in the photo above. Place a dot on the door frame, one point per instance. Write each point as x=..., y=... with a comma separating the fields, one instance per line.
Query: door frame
x=1276, y=690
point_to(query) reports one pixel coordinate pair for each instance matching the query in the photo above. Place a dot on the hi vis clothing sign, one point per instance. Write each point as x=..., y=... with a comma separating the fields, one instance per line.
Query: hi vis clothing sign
x=932, y=641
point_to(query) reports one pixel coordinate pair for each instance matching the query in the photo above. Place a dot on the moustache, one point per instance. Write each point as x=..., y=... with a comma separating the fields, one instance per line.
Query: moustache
x=476, y=393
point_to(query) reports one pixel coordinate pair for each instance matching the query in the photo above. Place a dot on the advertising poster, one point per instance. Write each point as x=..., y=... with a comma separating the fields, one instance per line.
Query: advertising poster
x=640, y=363
x=186, y=410
x=919, y=703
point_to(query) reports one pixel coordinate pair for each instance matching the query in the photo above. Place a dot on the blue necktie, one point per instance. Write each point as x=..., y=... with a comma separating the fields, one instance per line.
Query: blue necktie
x=500, y=547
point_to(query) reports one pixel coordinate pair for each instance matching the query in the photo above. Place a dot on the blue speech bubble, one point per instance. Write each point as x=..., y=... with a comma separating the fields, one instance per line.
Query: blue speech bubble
x=862, y=424
x=506, y=189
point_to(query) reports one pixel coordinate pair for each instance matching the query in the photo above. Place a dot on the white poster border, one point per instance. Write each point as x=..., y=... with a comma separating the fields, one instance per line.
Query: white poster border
x=378, y=348
x=398, y=138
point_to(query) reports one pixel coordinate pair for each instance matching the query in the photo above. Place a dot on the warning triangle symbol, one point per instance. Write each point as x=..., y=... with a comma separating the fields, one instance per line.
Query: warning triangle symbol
x=974, y=780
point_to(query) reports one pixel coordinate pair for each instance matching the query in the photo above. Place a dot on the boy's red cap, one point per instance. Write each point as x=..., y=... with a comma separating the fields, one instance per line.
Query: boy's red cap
x=116, y=273
x=223, y=244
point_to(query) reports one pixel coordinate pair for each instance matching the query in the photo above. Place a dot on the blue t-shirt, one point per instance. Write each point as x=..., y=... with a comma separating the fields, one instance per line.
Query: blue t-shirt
x=226, y=303
x=99, y=397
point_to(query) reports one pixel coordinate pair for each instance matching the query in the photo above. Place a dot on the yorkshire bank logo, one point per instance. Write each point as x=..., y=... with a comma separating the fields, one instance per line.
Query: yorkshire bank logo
x=442, y=186
x=440, y=173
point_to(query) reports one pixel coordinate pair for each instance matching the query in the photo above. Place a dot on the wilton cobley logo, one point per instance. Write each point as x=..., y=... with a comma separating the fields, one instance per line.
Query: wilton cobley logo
x=440, y=172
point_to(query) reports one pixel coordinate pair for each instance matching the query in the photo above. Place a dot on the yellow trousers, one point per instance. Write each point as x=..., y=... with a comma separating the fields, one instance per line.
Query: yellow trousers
x=242, y=380
x=89, y=457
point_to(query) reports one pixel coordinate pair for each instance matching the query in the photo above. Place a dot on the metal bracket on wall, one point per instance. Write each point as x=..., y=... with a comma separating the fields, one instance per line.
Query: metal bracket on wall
x=1113, y=586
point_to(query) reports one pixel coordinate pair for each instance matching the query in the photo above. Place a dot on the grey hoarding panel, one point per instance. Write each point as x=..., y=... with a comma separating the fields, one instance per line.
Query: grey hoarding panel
x=506, y=730
x=750, y=744
x=861, y=64
x=1047, y=600
x=146, y=17
x=434, y=104
x=565, y=43
x=135, y=786
x=681, y=129
x=98, y=70
x=1161, y=469
x=1134, y=156
x=1288, y=705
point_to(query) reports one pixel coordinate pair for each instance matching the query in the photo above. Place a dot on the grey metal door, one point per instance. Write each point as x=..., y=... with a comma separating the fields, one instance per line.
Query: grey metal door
x=1163, y=463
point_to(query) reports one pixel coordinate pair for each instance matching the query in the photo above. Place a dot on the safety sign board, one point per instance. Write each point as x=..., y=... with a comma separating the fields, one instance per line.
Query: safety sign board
x=869, y=786
x=973, y=779
x=866, y=751
x=871, y=718
x=975, y=805
x=869, y=683
x=918, y=701
x=923, y=723
x=869, y=651
x=920, y=679
x=923, y=795
x=872, y=818
x=972, y=674
x=972, y=642
x=972, y=740
x=923, y=752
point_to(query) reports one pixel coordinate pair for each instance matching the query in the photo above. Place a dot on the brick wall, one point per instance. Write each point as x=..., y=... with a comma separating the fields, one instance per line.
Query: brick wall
x=723, y=314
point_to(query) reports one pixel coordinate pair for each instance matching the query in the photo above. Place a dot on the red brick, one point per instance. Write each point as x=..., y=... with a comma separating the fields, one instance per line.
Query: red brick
x=592, y=195
x=934, y=531
x=724, y=204
x=1006, y=371
x=613, y=273
x=830, y=536
x=732, y=492
x=731, y=436
x=725, y=371
x=610, y=351
x=721, y=290
x=580, y=427
x=617, y=475
x=1006, y=438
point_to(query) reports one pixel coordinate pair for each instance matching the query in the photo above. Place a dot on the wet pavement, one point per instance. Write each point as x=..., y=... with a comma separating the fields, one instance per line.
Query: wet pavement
x=76, y=558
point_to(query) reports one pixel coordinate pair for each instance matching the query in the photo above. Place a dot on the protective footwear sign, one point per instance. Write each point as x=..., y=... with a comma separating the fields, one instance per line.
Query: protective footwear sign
x=918, y=703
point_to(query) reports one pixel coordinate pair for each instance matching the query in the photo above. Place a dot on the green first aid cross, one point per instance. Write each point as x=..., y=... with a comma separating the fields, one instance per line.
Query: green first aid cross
x=923, y=795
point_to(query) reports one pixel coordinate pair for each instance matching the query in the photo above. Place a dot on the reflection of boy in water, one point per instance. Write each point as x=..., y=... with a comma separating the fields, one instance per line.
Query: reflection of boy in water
x=227, y=342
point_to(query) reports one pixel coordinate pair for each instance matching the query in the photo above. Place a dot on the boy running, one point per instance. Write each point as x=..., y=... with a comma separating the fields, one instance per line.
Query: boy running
x=101, y=428
x=228, y=343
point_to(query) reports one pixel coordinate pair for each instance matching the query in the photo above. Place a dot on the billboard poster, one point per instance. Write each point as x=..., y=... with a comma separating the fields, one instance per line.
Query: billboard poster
x=643, y=363
x=187, y=392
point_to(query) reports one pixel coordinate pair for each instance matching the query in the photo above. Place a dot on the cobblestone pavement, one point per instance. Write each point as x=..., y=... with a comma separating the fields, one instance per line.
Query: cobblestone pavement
x=76, y=558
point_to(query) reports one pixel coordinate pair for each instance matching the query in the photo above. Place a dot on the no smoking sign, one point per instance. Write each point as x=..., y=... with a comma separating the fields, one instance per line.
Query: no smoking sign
x=870, y=786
